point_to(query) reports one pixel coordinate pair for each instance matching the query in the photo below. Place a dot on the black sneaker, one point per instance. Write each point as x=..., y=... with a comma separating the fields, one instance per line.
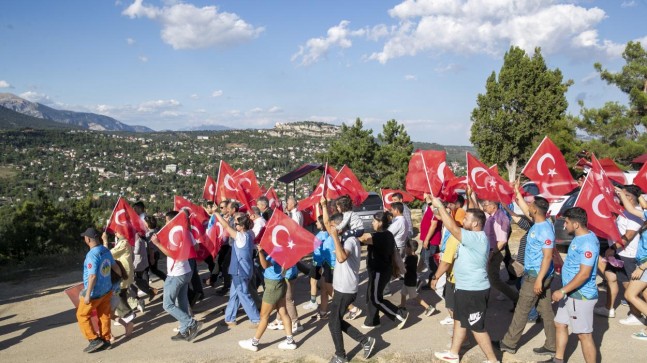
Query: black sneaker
x=193, y=330
x=337, y=359
x=405, y=315
x=368, y=347
x=94, y=345
x=544, y=351
x=104, y=346
x=179, y=336
x=502, y=347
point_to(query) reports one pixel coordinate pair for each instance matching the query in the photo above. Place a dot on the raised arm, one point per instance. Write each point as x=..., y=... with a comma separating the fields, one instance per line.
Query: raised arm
x=520, y=201
x=448, y=221
x=231, y=231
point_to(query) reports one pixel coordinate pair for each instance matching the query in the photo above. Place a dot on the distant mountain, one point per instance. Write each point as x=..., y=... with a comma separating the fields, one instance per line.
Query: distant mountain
x=84, y=120
x=11, y=120
x=206, y=128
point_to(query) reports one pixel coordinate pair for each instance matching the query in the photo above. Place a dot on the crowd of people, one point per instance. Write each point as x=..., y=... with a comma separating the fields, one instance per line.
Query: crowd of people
x=459, y=257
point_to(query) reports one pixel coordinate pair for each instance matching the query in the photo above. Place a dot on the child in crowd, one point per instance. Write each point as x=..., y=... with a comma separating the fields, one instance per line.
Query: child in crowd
x=410, y=279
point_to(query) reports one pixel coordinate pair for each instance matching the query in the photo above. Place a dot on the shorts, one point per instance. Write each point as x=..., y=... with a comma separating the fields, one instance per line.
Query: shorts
x=470, y=308
x=409, y=291
x=449, y=295
x=577, y=314
x=624, y=274
x=316, y=272
x=274, y=291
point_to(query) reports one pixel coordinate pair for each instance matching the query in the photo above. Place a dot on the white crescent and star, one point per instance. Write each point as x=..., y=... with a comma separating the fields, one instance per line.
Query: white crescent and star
x=388, y=197
x=596, y=206
x=475, y=172
x=228, y=180
x=211, y=190
x=171, y=235
x=551, y=172
x=275, y=231
x=441, y=171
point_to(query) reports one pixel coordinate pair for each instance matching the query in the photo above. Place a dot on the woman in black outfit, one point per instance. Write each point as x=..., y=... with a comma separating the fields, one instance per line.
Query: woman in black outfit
x=379, y=265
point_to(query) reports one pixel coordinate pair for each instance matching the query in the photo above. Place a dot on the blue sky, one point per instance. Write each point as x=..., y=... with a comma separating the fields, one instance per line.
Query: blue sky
x=172, y=64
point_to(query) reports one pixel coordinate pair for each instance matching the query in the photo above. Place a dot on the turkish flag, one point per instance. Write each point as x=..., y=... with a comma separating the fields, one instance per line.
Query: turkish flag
x=328, y=188
x=209, y=192
x=548, y=169
x=200, y=235
x=287, y=242
x=605, y=185
x=486, y=184
x=218, y=235
x=613, y=171
x=387, y=197
x=450, y=186
x=601, y=220
x=426, y=172
x=273, y=198
x=641, y=178
x=125, y=221
x=350, y=185
x=176, y=237
x=494, y=168
x=249, y=184
x=195, y=211
x=226, y=186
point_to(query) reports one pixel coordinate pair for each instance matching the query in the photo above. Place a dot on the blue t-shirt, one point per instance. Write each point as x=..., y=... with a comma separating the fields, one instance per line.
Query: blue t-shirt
x=541, y=236
x=328, y=252
x=98, y=261
x=470, y=266
x=317, y=254
x=641, y=253
x=273, y=272
x=584, y=250
x=443, y=243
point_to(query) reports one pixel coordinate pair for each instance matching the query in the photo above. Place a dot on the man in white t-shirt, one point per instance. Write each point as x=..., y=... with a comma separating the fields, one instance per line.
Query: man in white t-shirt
x=291, y=208
x=406, y=213
x=176, y=285
x=259, y=223
x=622, y=253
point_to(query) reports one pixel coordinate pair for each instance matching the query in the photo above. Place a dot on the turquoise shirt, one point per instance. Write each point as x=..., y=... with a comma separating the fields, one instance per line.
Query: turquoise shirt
x=584, y=250
x=470, y=266
x=541, y=236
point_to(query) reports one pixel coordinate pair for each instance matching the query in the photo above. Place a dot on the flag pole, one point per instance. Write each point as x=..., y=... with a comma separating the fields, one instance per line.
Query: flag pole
x=111, y=214
x=424, y=166
x=382, y=195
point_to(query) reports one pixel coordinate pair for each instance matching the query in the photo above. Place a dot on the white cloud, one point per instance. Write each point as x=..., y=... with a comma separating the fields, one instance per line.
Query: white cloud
x=143, y=58
x=628, y=4
x=185, y=26
x=316, y=48
x=130, y=41
x=256, y=110
x=217, y=93
x=37, y=97
x=275, y=109
x=490, y=27
x=449, y=68
x=158, y=106
x=194, y=96
x=4, y=84
x=410, y=77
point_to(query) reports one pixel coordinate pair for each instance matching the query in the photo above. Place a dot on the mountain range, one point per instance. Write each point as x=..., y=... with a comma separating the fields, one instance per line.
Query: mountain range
x=85, y=120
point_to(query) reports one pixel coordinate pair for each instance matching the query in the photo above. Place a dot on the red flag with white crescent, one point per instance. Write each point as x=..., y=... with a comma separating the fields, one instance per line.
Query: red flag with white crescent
x=247, y=181
x=350, y=185
x=125, y=221
x=486, y=184
x=209, y=192
x=601, y=178
x=176, y=237
x=548, y=169
x=601, y=220
x=641, y=178
x=200, y=235
x=426, y=172
x=273, y=198
x=195, y=211
x=287, y=242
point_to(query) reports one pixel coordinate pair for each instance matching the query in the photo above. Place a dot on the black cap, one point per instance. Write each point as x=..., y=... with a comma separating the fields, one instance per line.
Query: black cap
x=91, y=233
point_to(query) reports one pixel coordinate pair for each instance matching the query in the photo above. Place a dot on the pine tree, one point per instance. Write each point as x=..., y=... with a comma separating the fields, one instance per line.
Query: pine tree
x=392, y=158
x=355, y=147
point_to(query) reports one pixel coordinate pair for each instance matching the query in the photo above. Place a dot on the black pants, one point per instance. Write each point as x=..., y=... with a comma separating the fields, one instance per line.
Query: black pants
x=507, y=260
x=153, y=266
x=377, y=281
x=141, y=281
x=337, y=324
x=195, y=287
x=224, y=258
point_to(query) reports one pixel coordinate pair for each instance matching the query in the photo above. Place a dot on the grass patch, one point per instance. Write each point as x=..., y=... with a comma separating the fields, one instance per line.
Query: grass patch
x=7, y=172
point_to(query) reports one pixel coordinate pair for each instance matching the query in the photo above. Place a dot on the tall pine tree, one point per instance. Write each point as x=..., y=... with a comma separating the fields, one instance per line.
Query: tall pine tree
x=392, y=158
x=355, y=147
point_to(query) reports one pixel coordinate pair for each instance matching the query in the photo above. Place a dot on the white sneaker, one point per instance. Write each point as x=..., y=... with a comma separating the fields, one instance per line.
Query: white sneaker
x=364, y=326
x=447, y=321
x=310, y=305
x=447, y=357
x=141, y=305
x=296, y=327
x=275, y=325
x=140, y=293
x=176, y=329
x=285, y=345
x=631, y=319
x=248, y=344
x=602, y=311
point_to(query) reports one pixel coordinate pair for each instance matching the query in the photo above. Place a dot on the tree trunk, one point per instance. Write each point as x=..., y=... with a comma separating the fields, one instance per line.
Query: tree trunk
x=512, y=169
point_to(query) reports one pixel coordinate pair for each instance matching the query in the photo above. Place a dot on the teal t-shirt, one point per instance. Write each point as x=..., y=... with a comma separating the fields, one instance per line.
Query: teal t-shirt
x=470, y=267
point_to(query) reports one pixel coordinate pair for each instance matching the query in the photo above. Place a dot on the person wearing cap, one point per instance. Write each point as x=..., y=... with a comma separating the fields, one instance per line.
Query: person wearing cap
x=97, y=291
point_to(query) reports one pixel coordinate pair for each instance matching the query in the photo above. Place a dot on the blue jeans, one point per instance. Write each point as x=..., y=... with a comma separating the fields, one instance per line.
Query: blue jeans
x=239, y=294
x=175, y=290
